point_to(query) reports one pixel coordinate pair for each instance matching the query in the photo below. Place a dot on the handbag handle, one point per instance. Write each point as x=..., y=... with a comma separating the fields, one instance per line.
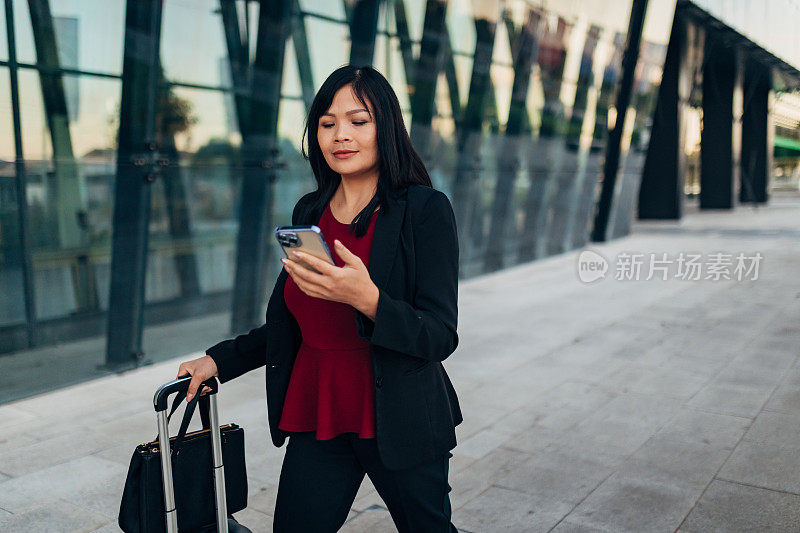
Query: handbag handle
x=187, y=415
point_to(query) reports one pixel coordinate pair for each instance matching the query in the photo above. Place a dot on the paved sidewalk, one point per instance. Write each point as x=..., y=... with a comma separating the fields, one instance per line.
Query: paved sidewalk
x=616, y=406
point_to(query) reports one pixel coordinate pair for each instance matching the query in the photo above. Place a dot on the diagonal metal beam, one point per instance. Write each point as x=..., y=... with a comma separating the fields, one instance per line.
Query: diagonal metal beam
x=406, y=51
x=426, y=74
x=303, y=56
x=468, y=215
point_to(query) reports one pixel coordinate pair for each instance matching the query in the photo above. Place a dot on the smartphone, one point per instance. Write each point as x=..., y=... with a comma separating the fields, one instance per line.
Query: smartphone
x=307, y=239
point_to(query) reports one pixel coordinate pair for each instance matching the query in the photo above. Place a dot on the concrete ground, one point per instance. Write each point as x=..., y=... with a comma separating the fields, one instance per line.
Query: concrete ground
x=621, y=405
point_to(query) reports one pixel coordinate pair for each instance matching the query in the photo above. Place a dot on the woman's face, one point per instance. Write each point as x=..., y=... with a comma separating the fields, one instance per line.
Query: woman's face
x=347, y=128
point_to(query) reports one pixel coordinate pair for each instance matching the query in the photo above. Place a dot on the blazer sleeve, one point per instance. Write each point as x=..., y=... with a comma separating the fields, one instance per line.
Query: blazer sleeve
x=426, y=329
x=247, y=351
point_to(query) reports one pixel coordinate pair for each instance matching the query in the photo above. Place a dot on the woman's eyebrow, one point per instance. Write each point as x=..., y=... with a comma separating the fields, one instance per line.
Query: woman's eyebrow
x=352, y=111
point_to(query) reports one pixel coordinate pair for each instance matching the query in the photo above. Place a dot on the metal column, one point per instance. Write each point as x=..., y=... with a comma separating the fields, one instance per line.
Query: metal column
x=719, y=143
x=21, y=183
x=363, y=21
x=756, y=125
x=136, y=169
x=258, y=102
x=661, y=189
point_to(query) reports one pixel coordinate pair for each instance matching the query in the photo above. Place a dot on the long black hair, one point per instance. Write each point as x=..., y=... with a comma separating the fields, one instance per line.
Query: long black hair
x=399, y=165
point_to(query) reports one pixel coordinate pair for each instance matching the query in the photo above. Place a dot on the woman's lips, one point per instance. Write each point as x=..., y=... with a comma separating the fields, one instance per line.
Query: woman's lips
x=344, y=155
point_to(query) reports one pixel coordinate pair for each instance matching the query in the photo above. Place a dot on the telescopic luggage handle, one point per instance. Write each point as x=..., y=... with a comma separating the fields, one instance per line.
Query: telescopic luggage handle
x=161, y=397
x=160, y=402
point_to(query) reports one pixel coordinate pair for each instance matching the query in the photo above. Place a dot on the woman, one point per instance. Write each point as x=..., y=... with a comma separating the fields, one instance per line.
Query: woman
x=354, y=352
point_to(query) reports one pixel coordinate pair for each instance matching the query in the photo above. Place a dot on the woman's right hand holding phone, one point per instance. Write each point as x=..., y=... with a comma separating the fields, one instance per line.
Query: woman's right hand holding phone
x=200, y=369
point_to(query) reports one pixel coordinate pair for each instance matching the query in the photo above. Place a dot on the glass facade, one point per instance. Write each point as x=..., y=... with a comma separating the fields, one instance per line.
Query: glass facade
x=521, y=108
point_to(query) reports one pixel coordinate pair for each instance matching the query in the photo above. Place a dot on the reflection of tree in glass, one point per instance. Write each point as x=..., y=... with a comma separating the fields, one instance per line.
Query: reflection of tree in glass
x=174, y=116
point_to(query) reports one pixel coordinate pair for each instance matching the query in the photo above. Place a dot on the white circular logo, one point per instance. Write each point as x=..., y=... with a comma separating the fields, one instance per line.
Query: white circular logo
x=591, y=266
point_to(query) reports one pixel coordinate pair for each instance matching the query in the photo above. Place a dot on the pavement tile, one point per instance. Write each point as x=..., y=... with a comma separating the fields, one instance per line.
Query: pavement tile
x=555, y=476
x=771, y=466
x=482, y=443
x=501, y=509
x=255, y=521
x=103, y=498
x=674, y=461
x=262, y=498
x=624, y=504
x=786, y=398
x=111, y=527
x=732, y=399
x=727, y=506
x=673, y=383
x=565, y=526
x=714, y=429
x=373, y=519
x=38, y=455
x=482, y=473
x=775, y=428
x=57, y=516
x=23, y=493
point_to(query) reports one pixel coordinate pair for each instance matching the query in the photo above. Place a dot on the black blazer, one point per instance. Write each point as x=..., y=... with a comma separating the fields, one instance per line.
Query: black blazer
x=414, y=264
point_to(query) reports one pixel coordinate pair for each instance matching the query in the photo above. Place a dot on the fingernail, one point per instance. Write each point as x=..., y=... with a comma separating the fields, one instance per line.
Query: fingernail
x=283, y=260
x=336, y=242
x=189, y=397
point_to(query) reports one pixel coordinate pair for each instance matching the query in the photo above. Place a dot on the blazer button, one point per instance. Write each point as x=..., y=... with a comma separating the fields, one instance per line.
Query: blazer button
x=378, y=381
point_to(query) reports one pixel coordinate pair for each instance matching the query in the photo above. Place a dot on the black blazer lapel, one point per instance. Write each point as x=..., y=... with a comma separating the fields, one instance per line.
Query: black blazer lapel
x=385, y=238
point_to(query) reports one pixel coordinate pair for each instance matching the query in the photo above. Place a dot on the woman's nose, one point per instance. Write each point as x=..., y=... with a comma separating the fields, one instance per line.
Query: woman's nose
x=341, y=134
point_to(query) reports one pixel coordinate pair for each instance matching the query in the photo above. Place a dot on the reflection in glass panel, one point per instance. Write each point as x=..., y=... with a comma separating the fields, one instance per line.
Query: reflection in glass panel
x=12, y=302
x=188, y=58
x=193, y=218
x=89, y=34
x=7, y=152
x=639, y=118
x=69, y=175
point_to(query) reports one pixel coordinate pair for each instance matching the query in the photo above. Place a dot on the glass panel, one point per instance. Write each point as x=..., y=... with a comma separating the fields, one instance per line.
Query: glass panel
x=3, y=36
x=89, y=34
x=460, y=26
x=290, y=86
x=186, y=56
x=328, y=8
x=12, y=303
x=329, y=53
x=70, y=193
x=6, y=124
x=192, y=220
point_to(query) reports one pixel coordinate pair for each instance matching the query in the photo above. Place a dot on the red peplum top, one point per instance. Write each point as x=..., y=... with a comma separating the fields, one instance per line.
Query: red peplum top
x=331, y=388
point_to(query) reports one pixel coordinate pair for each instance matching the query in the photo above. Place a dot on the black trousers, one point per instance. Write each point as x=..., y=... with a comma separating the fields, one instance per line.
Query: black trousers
x=319, y=480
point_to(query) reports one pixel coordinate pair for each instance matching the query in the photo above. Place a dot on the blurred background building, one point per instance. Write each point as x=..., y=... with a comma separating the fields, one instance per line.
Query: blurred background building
x=149, y=147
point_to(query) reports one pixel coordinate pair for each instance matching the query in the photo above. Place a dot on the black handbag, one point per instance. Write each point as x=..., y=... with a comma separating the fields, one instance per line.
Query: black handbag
x=142, y=506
